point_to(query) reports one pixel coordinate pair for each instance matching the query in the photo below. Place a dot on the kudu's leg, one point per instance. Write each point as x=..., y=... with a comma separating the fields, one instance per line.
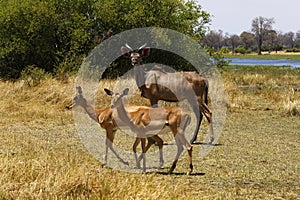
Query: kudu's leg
x=199, y=117
x=208, y=114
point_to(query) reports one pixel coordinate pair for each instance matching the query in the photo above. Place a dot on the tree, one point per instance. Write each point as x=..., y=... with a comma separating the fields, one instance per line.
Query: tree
x=233, y=41
x=247, y=39
x=214, y=40
x=272, y=41
x=297, y=40
x=289, y=39
x=260, y=27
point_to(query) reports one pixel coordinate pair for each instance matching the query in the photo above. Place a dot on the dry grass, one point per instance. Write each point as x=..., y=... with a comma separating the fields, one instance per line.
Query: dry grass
x=263, y=88
x=257, y=157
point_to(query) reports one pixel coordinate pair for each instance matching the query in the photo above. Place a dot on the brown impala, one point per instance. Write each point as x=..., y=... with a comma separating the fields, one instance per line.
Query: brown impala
x=146, y=119
x=106, y=121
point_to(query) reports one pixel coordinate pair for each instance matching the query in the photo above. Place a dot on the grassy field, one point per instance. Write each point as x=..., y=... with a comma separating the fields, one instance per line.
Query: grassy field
x=257, y=156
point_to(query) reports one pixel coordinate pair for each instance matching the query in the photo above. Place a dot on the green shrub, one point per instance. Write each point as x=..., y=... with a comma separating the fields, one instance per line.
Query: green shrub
x=33, y=75
x=293, y=50
x=242, y=50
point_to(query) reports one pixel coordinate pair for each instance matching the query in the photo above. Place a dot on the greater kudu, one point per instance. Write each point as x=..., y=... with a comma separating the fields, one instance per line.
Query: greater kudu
x=172, y=87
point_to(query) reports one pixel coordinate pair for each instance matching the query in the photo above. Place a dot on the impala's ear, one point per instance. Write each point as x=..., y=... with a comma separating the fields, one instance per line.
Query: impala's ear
x=125, y=52
x=108, y=92
x=125, y=92
x=145, y=52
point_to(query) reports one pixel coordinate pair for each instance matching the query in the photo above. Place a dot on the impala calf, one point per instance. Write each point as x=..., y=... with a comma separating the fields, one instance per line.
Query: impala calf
x=147, y=119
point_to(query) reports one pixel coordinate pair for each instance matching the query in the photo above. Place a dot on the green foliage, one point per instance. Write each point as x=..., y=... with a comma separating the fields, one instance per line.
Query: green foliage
x=293, y=50
x=219, y=56
x=242, y=50
x=56, y=35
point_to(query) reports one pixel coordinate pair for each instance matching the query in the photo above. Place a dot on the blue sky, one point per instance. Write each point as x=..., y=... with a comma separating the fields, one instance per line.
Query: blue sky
x=235, y=16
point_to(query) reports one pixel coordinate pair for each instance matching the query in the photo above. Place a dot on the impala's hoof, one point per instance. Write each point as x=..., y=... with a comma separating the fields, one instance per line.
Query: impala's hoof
x=125, y=163
x=211, y=140
x=170, y=172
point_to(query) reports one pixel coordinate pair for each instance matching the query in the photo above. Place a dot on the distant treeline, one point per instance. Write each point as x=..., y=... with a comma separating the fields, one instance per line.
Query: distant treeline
x=261, y=38
x=54, y=36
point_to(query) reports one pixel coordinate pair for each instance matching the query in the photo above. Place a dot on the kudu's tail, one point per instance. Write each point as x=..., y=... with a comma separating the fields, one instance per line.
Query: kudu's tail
x=205, y=92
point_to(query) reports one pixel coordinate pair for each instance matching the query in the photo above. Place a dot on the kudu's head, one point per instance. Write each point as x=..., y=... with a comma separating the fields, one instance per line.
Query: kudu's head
x=116, y=97
x=77, y=100
x=136, y=56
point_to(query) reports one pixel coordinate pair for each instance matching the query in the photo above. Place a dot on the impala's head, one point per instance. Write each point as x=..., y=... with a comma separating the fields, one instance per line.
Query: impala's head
x=136, y=56
x=77, y=99
x=116, y=97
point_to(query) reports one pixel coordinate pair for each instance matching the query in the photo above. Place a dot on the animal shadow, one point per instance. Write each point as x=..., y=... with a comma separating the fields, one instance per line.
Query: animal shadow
x=181, y=173
x=207, y=144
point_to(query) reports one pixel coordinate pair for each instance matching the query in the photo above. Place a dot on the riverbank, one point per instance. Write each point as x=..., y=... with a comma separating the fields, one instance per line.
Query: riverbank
x=280, y=55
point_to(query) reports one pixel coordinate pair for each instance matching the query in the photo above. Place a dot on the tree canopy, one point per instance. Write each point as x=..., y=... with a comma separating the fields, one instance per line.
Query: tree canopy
x=55, y=35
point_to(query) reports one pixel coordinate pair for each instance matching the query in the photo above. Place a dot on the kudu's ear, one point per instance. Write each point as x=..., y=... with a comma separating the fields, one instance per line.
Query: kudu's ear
x=125, y=52
x=108, y=92
x=145, y=52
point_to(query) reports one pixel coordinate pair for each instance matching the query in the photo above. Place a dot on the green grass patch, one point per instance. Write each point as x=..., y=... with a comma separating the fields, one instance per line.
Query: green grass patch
x=266, y=56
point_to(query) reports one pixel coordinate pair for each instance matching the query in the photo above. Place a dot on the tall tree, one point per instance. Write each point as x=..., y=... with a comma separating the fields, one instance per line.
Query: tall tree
x=247, y=39
x=289, y=39
x=214, y=39
x=261, y=27
x=297, y=40
x=272, y=41
x=233, y=41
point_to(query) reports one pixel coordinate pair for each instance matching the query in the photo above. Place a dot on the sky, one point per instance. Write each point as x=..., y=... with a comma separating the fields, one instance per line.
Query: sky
x=235, y=16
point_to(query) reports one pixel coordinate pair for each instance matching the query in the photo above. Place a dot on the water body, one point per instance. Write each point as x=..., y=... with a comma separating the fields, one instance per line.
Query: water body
x=254, y=62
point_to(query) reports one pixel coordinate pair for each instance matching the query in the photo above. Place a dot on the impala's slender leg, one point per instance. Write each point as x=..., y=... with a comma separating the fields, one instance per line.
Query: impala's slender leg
x=143, y=141
x=178, y=127
x=135, y=144
x=189, y=148
x=108, y=143
x=185, y=121
x=190, y=151
x=179, y=151
x=110, y=136
x=159, y=141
